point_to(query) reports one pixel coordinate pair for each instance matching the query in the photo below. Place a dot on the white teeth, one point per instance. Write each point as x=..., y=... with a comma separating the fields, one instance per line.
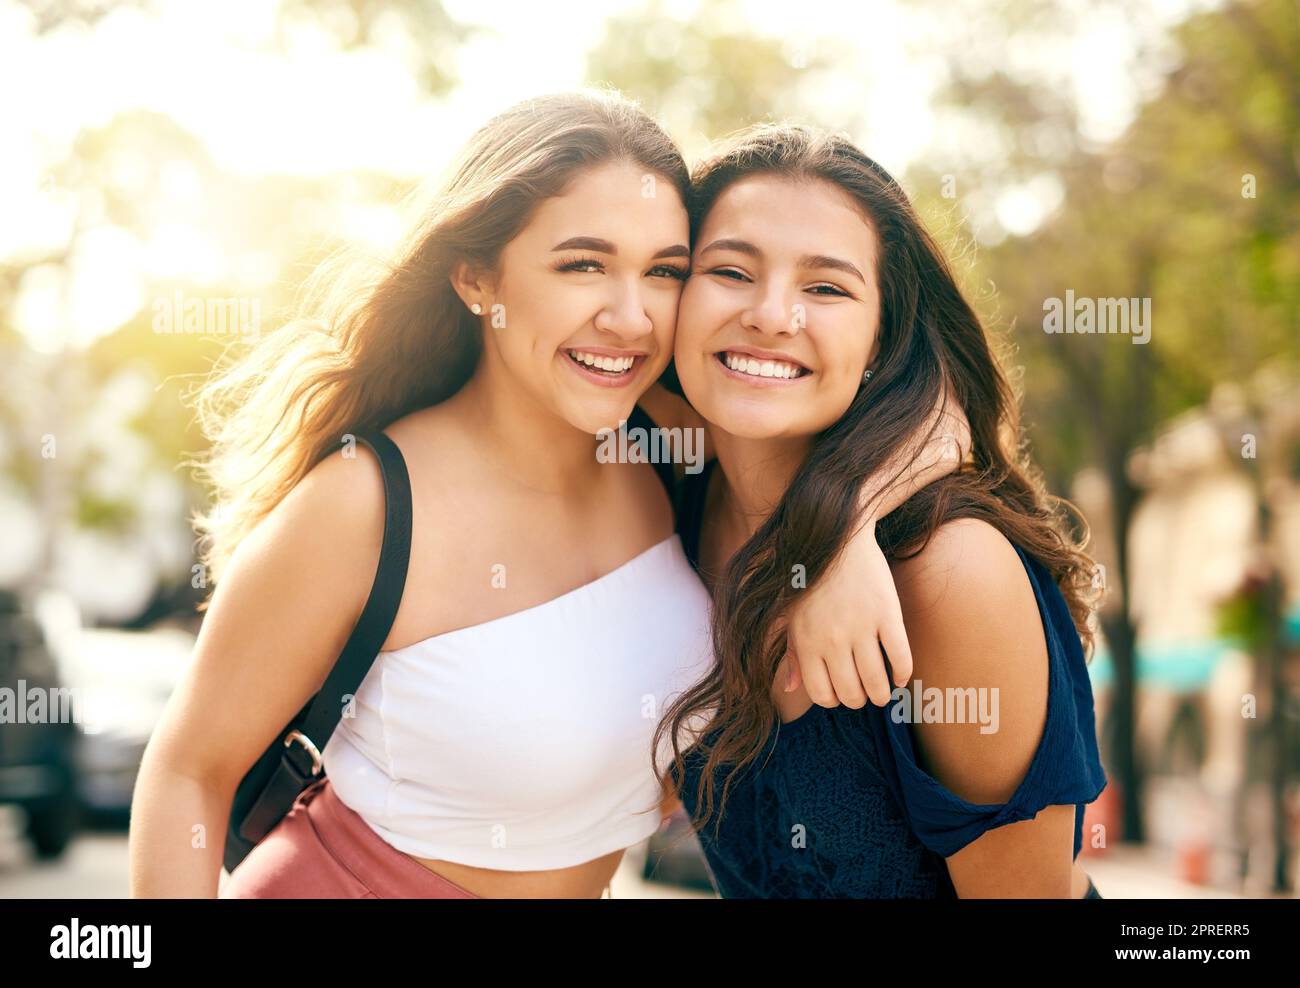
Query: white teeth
x=616, y=365
x=764, y=368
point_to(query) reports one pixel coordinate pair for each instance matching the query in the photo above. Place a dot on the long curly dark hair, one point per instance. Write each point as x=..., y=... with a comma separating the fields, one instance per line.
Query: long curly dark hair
x=928, y=336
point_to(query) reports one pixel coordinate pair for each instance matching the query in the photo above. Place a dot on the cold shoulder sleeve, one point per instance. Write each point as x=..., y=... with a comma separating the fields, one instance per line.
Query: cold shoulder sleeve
x=1066, y=768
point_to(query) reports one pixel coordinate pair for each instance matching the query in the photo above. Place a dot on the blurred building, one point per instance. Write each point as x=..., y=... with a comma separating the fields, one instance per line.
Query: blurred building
x=1195, y=545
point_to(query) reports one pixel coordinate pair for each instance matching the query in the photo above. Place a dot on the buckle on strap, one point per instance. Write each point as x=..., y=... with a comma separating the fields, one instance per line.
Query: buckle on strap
x=308, y=747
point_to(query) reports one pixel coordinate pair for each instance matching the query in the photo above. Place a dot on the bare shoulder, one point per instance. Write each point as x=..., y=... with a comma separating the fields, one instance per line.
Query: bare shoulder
x=332, y=520
x=967, y=597
x=316, y=553
x=442, y=456
x=279, y=616
x=973, y=622
x=963, y=556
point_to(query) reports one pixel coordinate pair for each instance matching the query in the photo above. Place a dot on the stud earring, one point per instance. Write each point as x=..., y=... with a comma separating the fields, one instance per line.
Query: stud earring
x=476, y=309
x=866, y=376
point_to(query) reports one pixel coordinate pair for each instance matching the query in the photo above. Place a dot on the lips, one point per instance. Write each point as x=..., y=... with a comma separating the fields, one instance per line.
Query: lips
x=761, y=364
x=604, y=366
x=616, y=364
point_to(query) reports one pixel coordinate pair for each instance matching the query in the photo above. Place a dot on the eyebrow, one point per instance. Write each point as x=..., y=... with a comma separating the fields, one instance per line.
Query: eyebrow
x=823, y=261
x=606, y=247
x=807, y=261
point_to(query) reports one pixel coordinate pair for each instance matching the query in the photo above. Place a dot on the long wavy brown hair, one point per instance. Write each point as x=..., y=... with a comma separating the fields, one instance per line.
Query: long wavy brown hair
x=377, y=340
x=928, y=335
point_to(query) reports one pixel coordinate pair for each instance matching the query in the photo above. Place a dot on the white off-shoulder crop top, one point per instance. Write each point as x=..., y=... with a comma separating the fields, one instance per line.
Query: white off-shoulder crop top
x=523, y=743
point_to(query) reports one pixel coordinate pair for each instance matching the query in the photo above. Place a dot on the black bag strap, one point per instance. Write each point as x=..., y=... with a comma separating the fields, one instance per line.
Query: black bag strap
x=299, y=759
x=377, y=616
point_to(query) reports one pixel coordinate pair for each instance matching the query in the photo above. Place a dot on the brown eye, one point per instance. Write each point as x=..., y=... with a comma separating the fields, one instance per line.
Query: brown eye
x=671, y=271
x=731, y=273
x=586, y=265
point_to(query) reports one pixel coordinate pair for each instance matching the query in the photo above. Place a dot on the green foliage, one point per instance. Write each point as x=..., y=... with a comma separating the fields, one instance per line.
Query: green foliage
x=1162, y=214
x=1244, y=617
x=102, y=513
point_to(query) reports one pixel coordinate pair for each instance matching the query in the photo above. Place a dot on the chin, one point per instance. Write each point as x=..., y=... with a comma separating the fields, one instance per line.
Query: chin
x=592, y=417
x=756, y=421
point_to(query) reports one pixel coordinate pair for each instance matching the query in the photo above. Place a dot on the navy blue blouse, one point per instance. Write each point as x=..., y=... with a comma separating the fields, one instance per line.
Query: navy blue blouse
x=837, y=806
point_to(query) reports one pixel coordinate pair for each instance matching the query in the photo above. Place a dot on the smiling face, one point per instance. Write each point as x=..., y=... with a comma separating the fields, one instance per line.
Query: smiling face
x=780, y=317
x=588, y=294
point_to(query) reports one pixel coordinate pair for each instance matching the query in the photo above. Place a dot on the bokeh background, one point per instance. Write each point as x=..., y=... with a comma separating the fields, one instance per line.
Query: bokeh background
x=171, y=171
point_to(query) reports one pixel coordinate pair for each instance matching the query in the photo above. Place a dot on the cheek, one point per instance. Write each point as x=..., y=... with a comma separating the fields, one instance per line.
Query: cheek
x=539, y=316
x=842, y=352
x=698, y=316
x=663, y=308
x=845, y=338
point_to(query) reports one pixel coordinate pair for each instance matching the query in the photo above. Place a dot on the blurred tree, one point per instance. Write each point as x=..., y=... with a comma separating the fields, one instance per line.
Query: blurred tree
x=708, y=75
x=421, y=32
x=144, y=184
x=52, y=14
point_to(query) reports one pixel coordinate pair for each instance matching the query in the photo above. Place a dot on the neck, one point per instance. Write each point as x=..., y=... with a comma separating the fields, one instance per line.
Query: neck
x=525, y=440
x=757, y=473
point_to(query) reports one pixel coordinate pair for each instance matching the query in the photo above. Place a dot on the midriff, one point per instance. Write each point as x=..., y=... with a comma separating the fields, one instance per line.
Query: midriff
x=584, y=881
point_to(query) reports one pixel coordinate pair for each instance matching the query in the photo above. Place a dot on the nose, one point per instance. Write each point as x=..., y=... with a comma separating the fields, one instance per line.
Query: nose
x=625, y=316
x=771, y=312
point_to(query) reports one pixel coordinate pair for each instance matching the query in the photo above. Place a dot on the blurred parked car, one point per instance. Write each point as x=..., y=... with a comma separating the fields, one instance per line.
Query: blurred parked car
x=38, y=761
x=111, y=686
x=128, y=675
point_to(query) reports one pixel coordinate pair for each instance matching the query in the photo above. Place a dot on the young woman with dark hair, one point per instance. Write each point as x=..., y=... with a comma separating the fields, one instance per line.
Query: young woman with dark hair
x=820, y=326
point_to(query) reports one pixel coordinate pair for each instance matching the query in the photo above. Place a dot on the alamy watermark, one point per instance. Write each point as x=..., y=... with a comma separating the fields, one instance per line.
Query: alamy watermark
x=1131, y=316
x=102, y=941
x=207, y=315
x=54, y=704
x=653, y=445
x=918, y=704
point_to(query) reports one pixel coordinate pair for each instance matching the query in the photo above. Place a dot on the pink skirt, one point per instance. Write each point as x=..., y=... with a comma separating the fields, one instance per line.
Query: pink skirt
x=323, y=850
